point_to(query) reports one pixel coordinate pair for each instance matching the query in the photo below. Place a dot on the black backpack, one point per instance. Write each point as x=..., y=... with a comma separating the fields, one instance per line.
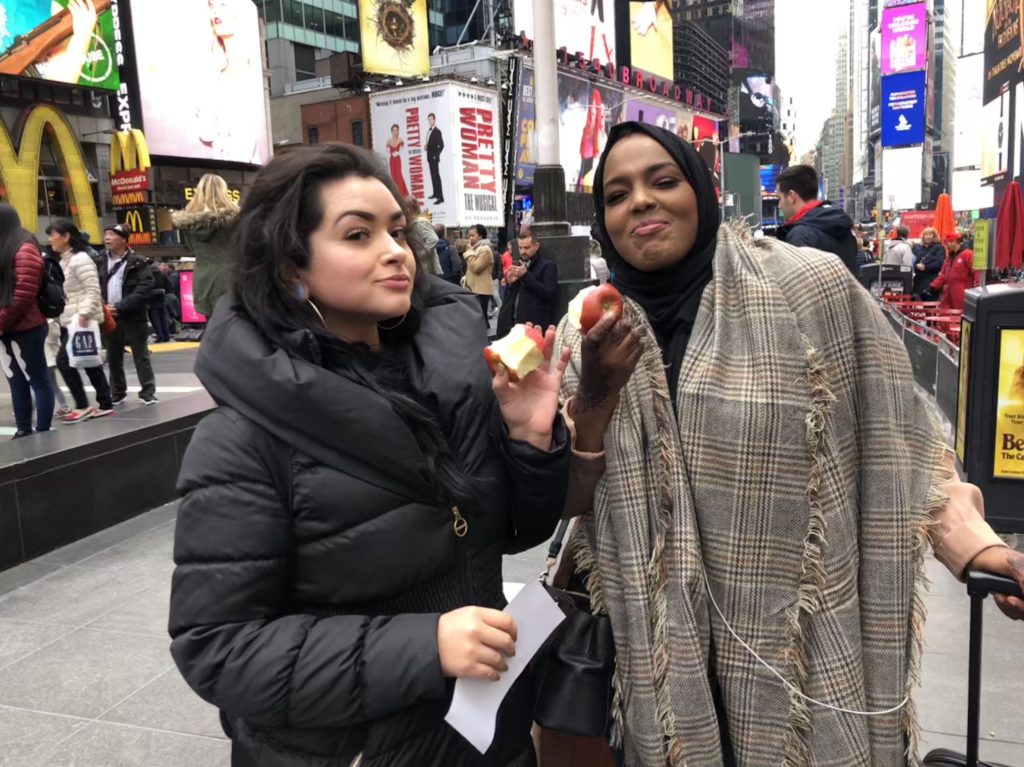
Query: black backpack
x=52, y=298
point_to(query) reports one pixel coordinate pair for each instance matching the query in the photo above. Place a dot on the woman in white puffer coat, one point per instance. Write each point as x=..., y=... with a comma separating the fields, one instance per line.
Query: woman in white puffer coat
x=84, y=305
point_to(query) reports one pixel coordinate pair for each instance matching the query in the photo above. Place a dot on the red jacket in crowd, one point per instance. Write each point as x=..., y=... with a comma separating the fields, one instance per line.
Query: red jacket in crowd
x=955, y=279
x=23, y=313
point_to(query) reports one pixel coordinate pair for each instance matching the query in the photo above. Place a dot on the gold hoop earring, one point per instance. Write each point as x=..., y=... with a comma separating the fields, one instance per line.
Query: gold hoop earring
x=395, y=326
x=317, y=311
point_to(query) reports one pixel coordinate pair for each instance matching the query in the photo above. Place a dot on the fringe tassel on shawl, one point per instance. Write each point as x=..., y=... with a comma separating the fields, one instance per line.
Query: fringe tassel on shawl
x=812, y=578
x=658, y=566
x=935, y=502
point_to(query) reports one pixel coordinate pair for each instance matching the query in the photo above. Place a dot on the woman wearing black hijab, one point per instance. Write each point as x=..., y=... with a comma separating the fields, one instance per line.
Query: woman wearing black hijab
x=755, y=477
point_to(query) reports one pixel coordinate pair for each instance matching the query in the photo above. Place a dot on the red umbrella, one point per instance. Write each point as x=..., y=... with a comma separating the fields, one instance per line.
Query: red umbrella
x=1010, y=229
x=945, y=223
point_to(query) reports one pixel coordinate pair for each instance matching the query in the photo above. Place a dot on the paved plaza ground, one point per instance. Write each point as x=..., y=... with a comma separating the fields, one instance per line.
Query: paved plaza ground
x=86, y=679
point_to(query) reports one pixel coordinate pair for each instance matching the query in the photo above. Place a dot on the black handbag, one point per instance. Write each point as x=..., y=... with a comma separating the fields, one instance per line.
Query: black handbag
x=574, y=692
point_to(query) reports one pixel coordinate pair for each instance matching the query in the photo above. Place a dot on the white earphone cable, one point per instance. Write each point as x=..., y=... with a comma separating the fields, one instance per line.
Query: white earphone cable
x=790, y=687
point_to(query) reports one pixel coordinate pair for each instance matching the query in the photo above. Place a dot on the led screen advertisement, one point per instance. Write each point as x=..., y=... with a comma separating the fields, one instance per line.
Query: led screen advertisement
x=200, y=72
x=904, y=38
x=650, y=38
x=441, y=145
x=60, y=40
x=903, y=109
x=580, y=27
x=393, y=36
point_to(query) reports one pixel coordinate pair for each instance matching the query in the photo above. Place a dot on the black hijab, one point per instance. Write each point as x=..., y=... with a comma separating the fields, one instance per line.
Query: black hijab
x=670, y=297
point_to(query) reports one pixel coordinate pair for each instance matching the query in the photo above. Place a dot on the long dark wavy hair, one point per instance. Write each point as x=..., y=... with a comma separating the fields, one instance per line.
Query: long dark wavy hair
x=12, y=237
x=271, y=241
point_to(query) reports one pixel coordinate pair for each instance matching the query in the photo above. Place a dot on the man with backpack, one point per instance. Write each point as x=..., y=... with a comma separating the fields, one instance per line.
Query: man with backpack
x=813, y=223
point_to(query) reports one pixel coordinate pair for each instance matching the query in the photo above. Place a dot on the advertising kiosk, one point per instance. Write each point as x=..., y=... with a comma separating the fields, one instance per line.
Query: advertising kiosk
x=990, y=401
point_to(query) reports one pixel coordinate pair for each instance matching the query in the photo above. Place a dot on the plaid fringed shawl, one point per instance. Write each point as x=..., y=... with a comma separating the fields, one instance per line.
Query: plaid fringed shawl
x=799, y=473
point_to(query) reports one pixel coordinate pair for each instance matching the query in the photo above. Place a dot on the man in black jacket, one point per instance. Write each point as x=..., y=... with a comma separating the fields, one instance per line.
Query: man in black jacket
x=811, y=223
x=126, y=282
x=533, y=287
x=435, y=145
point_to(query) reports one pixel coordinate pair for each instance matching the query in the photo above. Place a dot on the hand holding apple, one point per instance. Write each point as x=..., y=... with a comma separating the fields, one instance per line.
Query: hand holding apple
x=591, y=304
x=529, y=402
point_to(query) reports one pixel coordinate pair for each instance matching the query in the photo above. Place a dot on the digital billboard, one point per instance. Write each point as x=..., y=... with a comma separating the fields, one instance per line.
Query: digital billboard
x=393, y=37
x=442, y=146
x=54, y=40
x=995, y=138
x=201, y=81
x=904, y=38
x=903, y=109
x=650, y=38
x=580, y=27
x=902, y=177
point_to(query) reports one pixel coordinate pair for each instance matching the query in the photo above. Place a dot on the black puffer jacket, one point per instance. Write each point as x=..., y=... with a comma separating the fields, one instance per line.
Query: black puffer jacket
x=826, y=228
x=312, y=562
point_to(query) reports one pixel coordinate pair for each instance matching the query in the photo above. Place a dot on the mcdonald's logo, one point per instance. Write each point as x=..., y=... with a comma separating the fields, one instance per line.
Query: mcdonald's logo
x=19, y=168
x=129, y=152
x=141, y=223
x=133, y=220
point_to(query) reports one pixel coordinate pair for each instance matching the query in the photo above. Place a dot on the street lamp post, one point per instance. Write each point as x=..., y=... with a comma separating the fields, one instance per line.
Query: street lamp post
x=549, y=178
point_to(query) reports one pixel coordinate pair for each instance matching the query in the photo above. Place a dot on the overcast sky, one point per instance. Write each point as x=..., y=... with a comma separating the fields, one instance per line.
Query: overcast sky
x=806, y=38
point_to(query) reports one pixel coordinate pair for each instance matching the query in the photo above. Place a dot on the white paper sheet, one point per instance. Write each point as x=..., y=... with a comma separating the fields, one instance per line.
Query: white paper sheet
x=474, y=709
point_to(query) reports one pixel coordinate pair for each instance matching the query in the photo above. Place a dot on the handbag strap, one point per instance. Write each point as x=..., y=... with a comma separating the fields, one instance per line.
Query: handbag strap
x=556, y=547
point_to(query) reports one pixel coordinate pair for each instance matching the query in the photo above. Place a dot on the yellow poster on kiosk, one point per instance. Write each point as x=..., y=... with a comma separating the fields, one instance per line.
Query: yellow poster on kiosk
x=1009, y=447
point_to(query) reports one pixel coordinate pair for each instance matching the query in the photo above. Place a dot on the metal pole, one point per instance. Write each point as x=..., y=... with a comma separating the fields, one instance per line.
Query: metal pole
x=549, y=177
x=546, y=91
x=974, y=673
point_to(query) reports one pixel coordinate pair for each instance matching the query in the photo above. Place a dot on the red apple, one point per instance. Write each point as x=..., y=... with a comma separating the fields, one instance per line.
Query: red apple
x=604, y=298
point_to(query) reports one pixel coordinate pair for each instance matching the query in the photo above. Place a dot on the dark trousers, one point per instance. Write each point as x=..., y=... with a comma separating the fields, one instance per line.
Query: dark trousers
x=73, y=378
x=24, y=361
x=435, y=180
x=485, y=304
x=133, y=333
x=160, y=321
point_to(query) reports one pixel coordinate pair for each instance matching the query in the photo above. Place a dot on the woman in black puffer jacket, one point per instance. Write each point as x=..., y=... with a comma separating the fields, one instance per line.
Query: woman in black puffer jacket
x=347, y=507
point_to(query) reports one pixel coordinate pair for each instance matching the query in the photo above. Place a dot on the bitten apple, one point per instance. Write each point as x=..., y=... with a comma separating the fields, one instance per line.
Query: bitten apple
x=520, y=352
x=591, y=304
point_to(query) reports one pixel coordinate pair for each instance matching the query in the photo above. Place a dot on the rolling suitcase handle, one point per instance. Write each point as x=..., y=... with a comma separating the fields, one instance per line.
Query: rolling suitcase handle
x=979, y=586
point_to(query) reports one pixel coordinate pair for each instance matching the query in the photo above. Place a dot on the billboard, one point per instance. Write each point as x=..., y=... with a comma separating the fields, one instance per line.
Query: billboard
x=874, y=85
x=1009, y=447
x=586, y=112
x=901, y=177
x=393, y=37
x=650, y=38
x=441, y=145
x=580, y=27
x=903, y=109
x=995, y=138
x=770, y=180
x=526, y=141
x=189, y=314
x=202, y=100
x=52, y=41
x=904, y=38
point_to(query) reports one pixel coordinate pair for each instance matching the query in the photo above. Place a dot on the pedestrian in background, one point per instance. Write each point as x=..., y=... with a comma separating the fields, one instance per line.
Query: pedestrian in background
x=929, y=258
x=532, y=287
x=479, y=265
x=957, y=275
x=205, y=226
x=339, y=544
x=452, y=266
x=898, y=252
x=814, y=223
x=158, y=304
x=126, y=282
x=23, y=327
x=84, y=304
x=422, y=237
